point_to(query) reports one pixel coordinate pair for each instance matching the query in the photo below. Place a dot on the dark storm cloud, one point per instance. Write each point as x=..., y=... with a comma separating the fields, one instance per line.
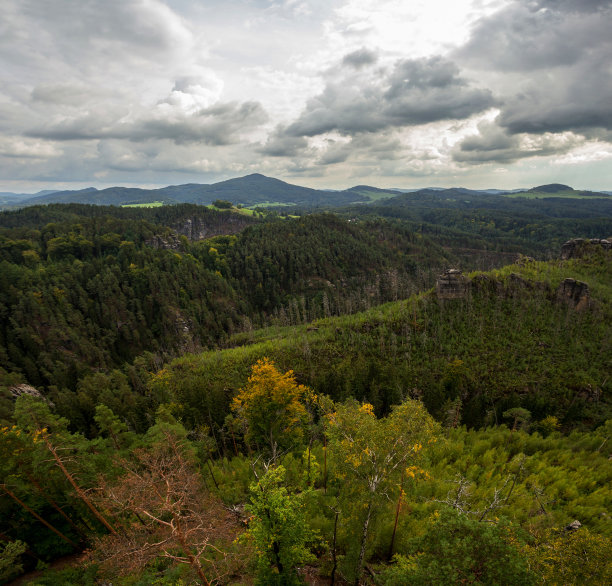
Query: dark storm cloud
x=560, y=53
x=216, y=125
x=580, y=100
x=521, y=38
x=414, y=92
x=575, y=5
x=361, y=58
x=493, y=144
x=430, y=90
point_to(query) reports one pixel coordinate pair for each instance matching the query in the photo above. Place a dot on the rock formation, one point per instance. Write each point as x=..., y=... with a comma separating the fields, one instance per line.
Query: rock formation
x=577, y=247
x=452, y=285
x=197, y=228
x=168, y=242
x=23, y=389
x=574, y=293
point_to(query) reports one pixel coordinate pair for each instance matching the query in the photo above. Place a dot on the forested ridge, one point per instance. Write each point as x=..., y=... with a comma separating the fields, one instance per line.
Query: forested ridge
x=375, y=431
x=86, y=290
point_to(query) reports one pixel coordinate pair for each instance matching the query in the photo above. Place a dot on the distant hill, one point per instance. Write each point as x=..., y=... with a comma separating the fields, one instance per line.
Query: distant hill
x=8, y=198
x=255, y=189
x=116, y=196
x=551, y=188
x=259, y=190
x=568, y=203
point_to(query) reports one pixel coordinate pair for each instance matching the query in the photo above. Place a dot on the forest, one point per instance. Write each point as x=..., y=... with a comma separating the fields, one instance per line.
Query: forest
x=198, y=396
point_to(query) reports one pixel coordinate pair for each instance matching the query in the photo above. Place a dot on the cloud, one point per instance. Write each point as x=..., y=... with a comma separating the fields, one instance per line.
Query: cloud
x=574, y=6
x=525, y=38
x=149, y=90
x=576, y=100
x=68, y=94
x=101, y=28
x=494, y=144
x=191, y=93
x=280, y=144
x=177, y=118
x=360, y=58
x=18, y=147
x=412, y=92
x=555, y=57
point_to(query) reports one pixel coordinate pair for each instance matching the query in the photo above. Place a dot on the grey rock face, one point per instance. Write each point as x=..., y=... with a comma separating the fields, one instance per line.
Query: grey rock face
x=23, y=389
x=574, y=293
x=452, y=285
x=196, y=228
x=169, y=242
x=577, y=247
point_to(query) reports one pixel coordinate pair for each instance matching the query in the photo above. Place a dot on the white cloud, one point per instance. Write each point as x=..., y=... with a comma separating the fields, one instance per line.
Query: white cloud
x=153, y=91
x=19, y=147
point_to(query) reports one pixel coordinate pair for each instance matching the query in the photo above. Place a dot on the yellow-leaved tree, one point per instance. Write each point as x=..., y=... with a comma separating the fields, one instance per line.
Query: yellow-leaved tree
x=370, y=455
x=271, y=408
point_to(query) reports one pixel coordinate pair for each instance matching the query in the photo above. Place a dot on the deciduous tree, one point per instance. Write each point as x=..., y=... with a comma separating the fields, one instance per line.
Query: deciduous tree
x=278, y=529
x=370, y=454
x=271, y=407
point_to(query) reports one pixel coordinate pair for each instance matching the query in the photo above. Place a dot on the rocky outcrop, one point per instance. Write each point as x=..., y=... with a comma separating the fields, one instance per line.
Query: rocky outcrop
x=574, y=525
x=200, y=228
x=197, y=228
x=184, y=330
x=23, y=389
x=167, y=242
x=578, y=247
x=574, y=293
x=452, y=285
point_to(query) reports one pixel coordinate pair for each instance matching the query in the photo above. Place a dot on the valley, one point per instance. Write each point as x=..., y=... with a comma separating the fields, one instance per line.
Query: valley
x=233, y=355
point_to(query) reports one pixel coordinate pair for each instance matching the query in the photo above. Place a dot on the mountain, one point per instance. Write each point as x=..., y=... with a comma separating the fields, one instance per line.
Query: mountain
x=259, y=190
x=8, y=198
x=551, y=188
x=116, y=282
x=116, y=196
x=255, y=189
x=563, y=204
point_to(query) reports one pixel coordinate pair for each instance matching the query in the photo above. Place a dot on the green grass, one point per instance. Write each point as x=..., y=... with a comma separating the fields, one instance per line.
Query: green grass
x=149, y=204
x=243, y=211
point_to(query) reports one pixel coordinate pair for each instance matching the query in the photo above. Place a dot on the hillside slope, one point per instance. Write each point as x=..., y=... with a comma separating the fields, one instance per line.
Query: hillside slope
x=512, y=341
x=249, y=190
x=87, y=289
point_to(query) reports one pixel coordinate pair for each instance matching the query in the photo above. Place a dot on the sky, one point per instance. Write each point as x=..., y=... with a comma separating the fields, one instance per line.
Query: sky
x=320, y=93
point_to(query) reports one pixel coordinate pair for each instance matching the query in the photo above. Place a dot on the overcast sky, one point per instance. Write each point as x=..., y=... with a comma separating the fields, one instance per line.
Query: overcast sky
x=322, y=93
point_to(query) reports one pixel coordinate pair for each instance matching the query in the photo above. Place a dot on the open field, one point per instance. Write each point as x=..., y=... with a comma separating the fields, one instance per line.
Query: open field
x=150, y=204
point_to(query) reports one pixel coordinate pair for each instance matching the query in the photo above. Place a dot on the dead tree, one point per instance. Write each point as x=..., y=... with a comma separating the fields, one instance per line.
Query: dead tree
x=177, y=517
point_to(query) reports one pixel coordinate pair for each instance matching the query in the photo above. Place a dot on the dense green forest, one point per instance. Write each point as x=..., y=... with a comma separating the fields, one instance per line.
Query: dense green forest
x=87, y=289
x=190, y=395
